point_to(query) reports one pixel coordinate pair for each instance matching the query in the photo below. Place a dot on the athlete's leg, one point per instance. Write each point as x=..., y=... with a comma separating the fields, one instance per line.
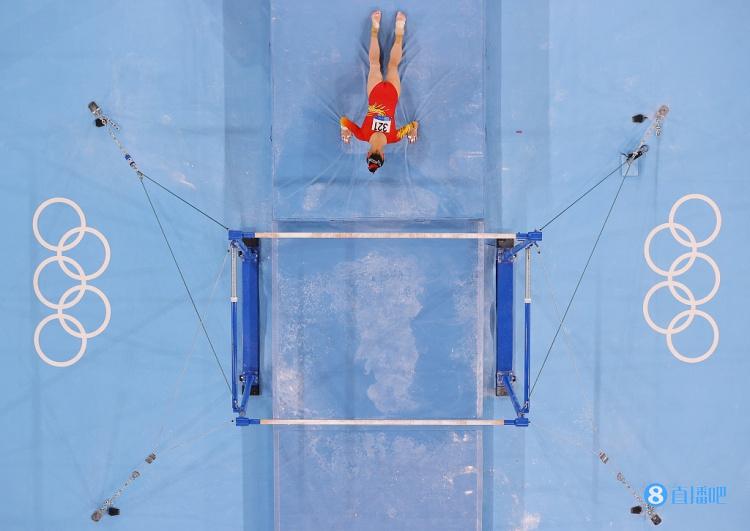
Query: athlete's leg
x=391, y=74
x=375, y=75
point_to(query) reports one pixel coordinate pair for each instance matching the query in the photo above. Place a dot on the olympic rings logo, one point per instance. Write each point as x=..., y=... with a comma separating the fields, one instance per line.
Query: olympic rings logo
x=73, y=295
x=679, y=266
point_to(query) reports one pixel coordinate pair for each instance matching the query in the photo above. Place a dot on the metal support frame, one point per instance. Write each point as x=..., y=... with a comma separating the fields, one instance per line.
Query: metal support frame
x=245, y=251
x=245, y=248
x=504, y=330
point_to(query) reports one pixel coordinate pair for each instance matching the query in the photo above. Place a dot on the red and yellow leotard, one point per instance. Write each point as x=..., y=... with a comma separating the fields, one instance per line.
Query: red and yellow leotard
x=380, y=117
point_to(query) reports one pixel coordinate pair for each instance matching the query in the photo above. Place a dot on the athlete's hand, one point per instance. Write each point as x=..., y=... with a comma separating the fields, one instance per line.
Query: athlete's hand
x=346, y=135
x=412, y=135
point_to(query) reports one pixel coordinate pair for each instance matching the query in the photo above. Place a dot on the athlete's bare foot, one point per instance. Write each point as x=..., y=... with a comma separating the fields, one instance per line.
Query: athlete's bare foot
x=375, y=17
x=400, y=22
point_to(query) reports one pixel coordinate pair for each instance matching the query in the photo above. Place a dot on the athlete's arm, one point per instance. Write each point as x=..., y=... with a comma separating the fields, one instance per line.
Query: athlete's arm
x=409, y=130
x=348, y=128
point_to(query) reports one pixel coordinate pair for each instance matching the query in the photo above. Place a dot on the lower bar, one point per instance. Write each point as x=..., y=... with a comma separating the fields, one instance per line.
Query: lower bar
x=388, y=235
x=519, y=421
x=383, y=422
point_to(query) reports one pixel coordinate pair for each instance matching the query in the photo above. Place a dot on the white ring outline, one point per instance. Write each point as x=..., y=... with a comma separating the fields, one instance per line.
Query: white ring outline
x=711, y=349
x=714, y=207
x=107, y=311
x=107, y=253
x=55, y=363
x=647, y=299
x=717, y=277
x=647, y=249
x=38, y=212
x=37, y=290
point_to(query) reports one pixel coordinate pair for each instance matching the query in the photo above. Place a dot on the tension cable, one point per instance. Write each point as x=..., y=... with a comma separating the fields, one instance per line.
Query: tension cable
x=103, y=121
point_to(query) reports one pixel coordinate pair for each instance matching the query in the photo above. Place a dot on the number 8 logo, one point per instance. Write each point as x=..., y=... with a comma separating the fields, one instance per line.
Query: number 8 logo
x=655, y=494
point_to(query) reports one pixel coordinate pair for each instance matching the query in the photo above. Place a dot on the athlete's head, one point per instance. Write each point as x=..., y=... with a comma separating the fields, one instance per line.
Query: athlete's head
x=374, y=160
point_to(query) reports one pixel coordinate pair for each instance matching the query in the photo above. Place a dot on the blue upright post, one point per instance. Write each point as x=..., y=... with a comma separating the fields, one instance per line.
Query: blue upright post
x=527, y=334
x=233, y=303
x=504, y=317
x=245, y=246
x=250, y=376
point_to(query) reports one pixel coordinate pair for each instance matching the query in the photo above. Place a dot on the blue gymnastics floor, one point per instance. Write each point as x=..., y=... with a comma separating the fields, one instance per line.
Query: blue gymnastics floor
x=233, y=105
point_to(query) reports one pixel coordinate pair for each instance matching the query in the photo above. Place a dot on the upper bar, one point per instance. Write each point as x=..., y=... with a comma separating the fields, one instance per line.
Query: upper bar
x=390, y=235
x=384, y=422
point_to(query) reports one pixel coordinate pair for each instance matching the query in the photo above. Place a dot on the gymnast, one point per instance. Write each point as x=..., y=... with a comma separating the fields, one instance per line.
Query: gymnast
x=379, y=125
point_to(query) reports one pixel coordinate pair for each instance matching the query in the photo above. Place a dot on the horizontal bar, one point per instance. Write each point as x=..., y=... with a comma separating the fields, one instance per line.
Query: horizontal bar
x=388, y=235
x=383, y=422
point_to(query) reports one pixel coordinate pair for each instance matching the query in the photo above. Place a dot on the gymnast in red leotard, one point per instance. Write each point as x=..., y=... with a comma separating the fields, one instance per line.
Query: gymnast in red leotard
x=379, y=126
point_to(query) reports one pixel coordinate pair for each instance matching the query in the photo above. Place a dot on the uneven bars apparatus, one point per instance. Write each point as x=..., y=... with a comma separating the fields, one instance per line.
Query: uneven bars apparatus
x=244, y=248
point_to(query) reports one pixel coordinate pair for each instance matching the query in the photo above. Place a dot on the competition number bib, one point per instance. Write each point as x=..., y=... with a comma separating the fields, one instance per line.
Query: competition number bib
x=381, y=124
